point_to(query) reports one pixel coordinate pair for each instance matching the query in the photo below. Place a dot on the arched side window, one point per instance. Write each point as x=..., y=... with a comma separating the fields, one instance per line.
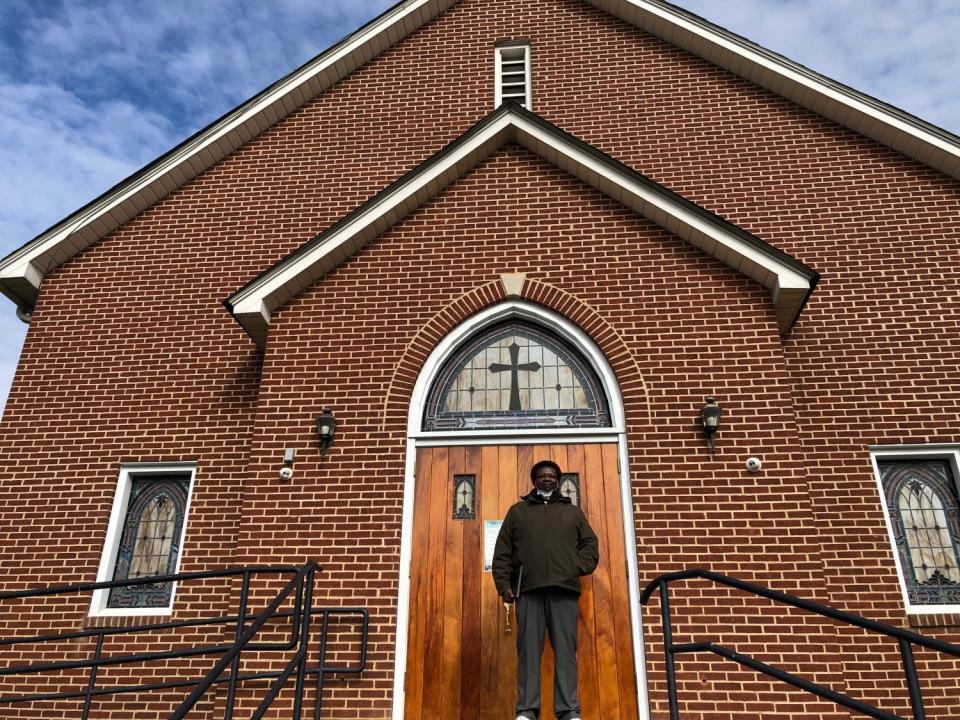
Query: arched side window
x=515, y=375
x=570, y=487
x=149, y=540
x=923, y=505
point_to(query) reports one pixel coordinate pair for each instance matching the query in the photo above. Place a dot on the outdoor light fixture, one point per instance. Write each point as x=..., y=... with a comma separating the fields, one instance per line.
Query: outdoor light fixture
x=710, y=415
x=326, y=427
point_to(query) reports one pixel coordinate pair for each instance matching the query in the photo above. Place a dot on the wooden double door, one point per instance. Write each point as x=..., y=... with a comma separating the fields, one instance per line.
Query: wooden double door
x=460, y=661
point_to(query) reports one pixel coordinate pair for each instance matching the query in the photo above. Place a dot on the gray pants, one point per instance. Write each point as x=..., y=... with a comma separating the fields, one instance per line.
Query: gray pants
x=553, y=611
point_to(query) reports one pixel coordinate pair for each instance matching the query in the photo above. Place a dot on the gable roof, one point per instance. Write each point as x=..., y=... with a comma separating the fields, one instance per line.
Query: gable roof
x=790, y=282
x=22, y=271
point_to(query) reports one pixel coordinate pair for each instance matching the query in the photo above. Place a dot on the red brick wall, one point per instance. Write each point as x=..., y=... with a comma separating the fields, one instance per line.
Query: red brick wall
x=131, y=357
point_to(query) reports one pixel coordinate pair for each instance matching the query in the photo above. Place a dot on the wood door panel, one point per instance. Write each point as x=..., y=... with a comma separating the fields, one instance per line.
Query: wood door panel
x=413, y=680
x=471, y=661
x=618, y=566
x=604, y=631
x=490, y=641
x=434, y=581
x=459, y=661
x=452, y=597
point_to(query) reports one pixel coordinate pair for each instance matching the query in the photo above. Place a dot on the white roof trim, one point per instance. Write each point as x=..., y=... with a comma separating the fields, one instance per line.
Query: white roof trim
x=868, y=116
x=789, y=281
x=23, y=270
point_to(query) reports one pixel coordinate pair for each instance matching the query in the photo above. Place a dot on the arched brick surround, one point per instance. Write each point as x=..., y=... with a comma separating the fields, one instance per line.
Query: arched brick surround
x=629, y=377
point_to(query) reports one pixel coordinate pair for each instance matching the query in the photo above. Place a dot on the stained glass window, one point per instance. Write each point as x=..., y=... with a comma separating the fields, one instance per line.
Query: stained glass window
x=516, y=375
x=150, y=539
x=570, y=487
x=464, y=497
x=923, y=504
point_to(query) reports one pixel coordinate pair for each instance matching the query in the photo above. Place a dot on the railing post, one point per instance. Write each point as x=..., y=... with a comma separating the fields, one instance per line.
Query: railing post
x=235, y=668
x=668, y=651
x=910, y=668
x=92, y=682
x=304, y=643
x=324, y=628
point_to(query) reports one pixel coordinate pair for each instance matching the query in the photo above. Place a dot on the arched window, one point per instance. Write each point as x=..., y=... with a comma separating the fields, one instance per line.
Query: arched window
x=922, y=501
x=570, y=487
x=464, y=497
x=149, y=542
x=515, y=375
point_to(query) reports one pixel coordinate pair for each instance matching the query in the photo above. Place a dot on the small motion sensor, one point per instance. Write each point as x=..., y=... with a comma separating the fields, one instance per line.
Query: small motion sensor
x=754, y=464
x=286, y=473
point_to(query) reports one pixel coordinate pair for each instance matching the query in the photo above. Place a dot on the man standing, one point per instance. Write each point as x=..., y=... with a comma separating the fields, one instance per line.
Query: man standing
x=545, y=545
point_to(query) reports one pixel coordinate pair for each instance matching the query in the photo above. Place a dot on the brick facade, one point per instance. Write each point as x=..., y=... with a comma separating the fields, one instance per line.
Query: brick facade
x=131, y=356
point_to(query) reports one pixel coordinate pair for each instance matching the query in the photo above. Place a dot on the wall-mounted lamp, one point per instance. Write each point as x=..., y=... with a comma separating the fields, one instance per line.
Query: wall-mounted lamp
x=710, y=415
x=326, y=427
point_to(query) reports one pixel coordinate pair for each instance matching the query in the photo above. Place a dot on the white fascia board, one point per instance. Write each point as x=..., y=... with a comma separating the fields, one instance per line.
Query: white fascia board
x=20, y=281
x=813, y=91
x=277, y=288
x=77, y=232
x=762, y=267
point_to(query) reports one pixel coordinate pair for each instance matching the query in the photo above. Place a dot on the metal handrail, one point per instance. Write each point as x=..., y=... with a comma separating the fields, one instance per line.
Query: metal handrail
x=296, y=582
x=153, y=579
x=100, y=633
x=906, y=639
x=300, y=588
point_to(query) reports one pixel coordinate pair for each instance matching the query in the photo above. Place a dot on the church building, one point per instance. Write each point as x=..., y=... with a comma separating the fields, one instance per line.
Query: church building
x=322, y=342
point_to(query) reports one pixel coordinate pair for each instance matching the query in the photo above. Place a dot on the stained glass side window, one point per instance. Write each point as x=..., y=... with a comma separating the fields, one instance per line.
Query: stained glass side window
x=570, y=487
x=925, y=514
x=516, y=375
x=464, y=497
x=150, y=539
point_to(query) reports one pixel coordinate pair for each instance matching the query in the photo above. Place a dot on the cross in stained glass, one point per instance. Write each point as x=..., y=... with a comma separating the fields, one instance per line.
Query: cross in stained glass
x=514, y=367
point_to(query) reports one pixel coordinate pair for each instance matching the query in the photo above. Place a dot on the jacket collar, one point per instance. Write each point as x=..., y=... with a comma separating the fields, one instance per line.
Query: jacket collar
x=537, y=499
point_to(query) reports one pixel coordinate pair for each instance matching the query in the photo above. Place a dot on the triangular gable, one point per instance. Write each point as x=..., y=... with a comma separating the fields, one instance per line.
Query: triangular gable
x=22, y=271
x=789, y=281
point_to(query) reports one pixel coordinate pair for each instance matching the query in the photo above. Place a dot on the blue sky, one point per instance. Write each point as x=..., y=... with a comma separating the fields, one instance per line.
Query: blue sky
x=91, y=90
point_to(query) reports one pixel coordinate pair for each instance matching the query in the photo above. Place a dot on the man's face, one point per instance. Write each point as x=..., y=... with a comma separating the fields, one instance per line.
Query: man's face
x=546, y=480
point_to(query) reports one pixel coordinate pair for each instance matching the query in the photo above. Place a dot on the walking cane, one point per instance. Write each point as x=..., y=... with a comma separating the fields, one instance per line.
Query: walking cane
x=506, y=606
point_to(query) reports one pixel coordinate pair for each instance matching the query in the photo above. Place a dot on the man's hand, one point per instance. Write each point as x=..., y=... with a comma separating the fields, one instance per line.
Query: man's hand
x=508, y=597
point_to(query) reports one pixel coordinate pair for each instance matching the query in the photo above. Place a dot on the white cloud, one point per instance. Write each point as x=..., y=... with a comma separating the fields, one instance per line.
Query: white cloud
x=899, y=51
x=196, y=60
x=12, y=331
x=57, y=149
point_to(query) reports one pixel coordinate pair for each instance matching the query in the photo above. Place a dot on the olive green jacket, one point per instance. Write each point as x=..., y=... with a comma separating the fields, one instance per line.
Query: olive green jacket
x=544, y=544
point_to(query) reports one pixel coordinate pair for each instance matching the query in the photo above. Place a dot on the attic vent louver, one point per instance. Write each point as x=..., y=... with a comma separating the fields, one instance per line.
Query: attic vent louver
x=512, y=74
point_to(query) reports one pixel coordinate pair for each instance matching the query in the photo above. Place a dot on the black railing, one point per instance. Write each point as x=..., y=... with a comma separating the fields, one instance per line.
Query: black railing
x=905, y=639
x=298, y=591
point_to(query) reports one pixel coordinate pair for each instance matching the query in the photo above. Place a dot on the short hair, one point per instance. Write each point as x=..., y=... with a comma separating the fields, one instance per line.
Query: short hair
x=544, y=463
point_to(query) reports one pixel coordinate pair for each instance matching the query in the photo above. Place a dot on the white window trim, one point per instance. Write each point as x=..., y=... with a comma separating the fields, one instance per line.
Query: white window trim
x=950, y=453
x=498, y=74
x=111, y=545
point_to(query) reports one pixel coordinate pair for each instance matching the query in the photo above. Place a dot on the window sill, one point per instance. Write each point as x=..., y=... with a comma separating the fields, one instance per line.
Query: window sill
x=934, y=620
x=123, y=621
